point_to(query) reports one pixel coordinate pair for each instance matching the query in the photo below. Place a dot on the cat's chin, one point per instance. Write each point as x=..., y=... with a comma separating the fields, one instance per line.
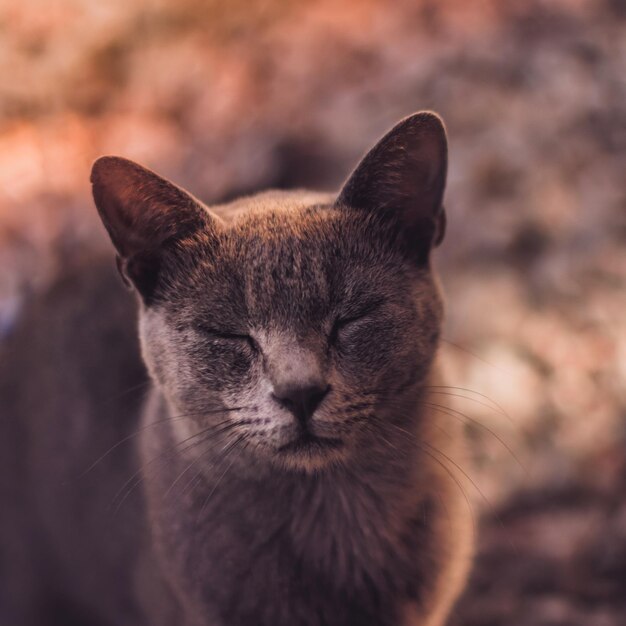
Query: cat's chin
x=311, y=453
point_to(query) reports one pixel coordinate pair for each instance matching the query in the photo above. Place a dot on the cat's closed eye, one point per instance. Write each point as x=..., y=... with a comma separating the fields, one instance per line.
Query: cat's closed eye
x=339, y=325
x=346, y=322
x=225, y=336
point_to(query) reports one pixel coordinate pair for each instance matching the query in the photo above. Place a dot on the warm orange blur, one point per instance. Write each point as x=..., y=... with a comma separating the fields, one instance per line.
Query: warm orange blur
x=229, y=97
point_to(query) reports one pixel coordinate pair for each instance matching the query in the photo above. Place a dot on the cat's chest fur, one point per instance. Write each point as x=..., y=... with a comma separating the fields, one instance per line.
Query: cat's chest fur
x=284, y=549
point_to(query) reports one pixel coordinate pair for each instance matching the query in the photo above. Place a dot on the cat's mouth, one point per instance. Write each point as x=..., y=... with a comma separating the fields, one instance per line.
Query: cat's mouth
x=309, y=443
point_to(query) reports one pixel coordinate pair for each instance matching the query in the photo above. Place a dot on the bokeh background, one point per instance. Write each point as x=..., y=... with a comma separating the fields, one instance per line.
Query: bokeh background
x=228, y=97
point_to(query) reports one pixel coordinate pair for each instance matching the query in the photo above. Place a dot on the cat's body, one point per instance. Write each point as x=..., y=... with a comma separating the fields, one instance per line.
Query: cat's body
x=346, y=515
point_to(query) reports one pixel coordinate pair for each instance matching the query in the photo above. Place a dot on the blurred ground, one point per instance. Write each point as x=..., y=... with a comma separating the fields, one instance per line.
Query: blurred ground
x=231, y=97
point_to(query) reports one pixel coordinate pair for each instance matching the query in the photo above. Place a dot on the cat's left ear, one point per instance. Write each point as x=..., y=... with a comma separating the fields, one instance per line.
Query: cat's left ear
x=144, y=214
x=403, y=176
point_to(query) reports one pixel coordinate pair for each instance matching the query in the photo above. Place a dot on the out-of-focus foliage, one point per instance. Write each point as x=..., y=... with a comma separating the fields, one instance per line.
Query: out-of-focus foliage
x=230, y=97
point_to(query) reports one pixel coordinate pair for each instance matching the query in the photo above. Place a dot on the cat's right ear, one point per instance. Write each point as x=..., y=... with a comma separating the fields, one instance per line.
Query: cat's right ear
x=403, y=178
x=142, y=213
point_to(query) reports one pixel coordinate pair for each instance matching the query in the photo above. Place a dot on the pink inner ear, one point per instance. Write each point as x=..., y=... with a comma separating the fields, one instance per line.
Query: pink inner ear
x=404, y=175
x=140, y=209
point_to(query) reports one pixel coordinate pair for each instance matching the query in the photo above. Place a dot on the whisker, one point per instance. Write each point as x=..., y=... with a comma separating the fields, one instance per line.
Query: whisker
x=195, y=461
x=127, y=391
x=460, y=469
x=467, y=351
x=457, y=482
x=225, y=409
x=195, y=479
x=152, y=425
x=139, y=476
x=219, y=480
x=454, y=479
x=437, y=426
x=459, y=414
x=497, y=406
x=391, y=445
x=490, y=506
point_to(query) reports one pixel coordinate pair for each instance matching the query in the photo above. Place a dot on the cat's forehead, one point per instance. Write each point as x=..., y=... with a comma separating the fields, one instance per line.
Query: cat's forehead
x=287, y=232
x=289, y=258
x=296, y=261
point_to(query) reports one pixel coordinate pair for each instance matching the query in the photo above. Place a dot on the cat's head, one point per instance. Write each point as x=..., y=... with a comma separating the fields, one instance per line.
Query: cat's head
x=303, y=329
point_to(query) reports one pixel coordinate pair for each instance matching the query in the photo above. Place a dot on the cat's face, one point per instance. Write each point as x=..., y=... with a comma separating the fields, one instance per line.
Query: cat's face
x=299, y=333
x=308, y=325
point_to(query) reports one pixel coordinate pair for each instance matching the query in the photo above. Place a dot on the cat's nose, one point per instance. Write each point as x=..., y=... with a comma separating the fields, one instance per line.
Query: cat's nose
x=301, y=400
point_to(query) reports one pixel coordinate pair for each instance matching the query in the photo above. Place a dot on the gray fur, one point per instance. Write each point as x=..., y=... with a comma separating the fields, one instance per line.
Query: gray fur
x=249, y=512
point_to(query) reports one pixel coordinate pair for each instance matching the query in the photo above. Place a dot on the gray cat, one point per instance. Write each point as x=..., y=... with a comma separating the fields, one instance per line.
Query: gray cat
x=283, y=468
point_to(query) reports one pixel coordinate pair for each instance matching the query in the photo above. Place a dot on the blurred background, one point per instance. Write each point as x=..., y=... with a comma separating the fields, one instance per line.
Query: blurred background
x=230, y=97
